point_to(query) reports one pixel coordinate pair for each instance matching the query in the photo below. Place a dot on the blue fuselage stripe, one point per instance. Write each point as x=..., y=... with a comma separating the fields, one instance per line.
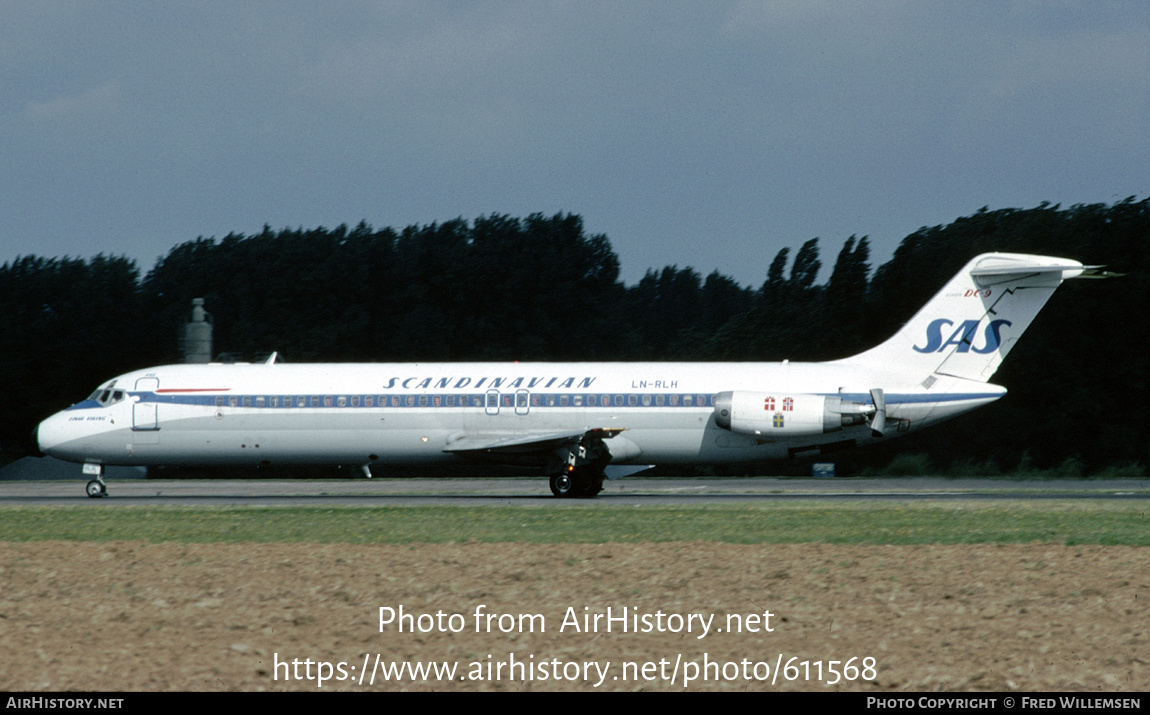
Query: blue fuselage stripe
x=506, y=400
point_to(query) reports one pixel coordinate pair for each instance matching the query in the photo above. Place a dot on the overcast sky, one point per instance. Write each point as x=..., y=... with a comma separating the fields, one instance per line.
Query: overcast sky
x=708, y=134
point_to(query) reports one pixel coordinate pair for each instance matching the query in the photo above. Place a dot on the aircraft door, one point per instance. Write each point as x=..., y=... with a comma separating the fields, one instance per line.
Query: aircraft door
x=522, y=402
x=145, y=415
x=491, y=406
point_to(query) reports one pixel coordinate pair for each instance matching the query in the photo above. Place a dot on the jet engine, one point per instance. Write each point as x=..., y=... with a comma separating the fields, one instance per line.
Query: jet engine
x=787, y=414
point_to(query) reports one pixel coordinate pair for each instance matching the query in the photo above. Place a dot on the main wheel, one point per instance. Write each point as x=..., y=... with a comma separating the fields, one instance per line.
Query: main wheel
x=596, y=485
x=562, y=485
x=96, y=489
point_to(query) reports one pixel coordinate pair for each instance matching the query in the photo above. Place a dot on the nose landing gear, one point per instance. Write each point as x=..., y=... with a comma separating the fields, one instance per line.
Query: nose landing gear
x=96, y=487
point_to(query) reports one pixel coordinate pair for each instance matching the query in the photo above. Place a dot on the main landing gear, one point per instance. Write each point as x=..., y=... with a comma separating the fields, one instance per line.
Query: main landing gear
x=580, y=469
x=580, y=482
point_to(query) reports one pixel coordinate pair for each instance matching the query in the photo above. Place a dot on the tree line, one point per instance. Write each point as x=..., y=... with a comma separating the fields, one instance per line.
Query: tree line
x=541, y=288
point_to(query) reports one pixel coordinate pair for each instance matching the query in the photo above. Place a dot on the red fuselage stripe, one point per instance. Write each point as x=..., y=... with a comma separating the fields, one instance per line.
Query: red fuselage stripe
x=198, y=389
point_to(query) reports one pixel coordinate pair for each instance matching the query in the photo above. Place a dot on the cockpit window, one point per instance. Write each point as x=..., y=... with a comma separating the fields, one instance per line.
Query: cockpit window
x=107, y=396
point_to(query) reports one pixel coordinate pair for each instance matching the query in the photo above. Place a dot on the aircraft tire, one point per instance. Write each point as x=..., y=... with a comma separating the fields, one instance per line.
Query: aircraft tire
x=594, y=485
x=588, y=482
x=96, y=489
x=562, y=485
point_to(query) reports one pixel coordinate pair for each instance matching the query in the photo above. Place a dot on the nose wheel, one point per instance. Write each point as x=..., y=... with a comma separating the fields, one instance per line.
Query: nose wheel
x=95, y=488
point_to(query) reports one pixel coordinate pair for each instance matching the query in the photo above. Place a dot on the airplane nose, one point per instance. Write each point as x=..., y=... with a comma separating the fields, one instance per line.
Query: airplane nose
x=36, y=451
x=48, y=434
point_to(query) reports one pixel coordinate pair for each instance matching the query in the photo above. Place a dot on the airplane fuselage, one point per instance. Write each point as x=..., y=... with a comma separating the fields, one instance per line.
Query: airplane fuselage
x=413, y=413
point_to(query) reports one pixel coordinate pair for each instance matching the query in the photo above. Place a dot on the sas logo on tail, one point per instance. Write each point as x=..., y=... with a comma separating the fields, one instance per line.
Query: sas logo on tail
x=963, y=336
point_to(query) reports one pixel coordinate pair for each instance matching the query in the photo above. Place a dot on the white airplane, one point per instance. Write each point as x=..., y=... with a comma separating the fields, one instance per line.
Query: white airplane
x=577, y=422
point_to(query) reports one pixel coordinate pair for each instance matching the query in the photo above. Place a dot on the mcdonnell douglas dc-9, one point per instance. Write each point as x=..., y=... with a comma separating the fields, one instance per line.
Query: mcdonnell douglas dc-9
x=579, y=423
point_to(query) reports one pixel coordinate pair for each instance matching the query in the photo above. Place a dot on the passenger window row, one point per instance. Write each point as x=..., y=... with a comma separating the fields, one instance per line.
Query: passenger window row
x=506, y=399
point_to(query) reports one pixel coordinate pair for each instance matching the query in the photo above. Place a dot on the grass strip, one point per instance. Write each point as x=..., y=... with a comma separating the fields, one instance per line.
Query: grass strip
x=1063, y=523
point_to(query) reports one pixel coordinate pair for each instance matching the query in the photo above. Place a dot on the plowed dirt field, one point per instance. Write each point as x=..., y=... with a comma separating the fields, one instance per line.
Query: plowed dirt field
x=136, y=616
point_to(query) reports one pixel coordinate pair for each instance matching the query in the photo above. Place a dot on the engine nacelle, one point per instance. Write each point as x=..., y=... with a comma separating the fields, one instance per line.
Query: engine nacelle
x=787, y=414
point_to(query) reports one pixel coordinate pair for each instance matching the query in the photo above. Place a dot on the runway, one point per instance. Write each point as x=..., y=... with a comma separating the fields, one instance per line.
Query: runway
x=535, y=491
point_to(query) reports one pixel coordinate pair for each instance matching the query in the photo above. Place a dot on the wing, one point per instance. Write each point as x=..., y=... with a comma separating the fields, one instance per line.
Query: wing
x=521, y=442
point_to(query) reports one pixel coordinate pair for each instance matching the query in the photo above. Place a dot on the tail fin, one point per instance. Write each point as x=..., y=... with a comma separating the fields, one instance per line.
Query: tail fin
x=974, y=321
